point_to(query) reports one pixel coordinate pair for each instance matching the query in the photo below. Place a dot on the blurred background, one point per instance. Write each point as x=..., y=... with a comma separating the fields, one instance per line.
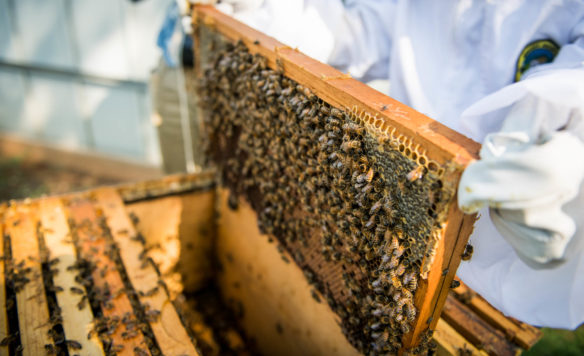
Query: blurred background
x=87, y=99
x=83, y=88
x=74, y=74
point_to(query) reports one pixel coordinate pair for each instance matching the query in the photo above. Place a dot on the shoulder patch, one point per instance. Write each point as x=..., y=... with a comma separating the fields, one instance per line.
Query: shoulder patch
x=535, y=53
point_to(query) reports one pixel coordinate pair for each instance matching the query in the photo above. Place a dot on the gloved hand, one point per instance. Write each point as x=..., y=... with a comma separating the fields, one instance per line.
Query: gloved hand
x=169, y=39
x=528, y=173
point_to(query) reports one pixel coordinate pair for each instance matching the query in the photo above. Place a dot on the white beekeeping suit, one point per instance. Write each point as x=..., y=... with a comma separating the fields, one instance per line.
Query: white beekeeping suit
x=507, y=73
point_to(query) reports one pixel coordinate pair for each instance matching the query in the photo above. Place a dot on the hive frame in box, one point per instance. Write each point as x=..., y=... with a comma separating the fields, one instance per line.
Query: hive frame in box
x=385, y=116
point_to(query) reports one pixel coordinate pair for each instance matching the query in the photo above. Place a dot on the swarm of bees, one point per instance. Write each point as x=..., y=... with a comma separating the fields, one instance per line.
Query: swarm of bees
x=17, y=275
x=357, y=210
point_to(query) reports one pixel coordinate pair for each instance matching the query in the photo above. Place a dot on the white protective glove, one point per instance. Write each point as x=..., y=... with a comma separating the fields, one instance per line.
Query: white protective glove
x=528, y=174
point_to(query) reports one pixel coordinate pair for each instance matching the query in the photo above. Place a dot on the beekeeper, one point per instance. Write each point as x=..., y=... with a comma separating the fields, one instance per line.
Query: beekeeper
x=506, y=73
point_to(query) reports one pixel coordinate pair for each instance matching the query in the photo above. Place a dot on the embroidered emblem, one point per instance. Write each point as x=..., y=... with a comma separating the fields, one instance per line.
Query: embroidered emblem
x=535, y=53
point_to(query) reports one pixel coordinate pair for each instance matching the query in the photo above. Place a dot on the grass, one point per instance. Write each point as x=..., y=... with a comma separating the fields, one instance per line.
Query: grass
x=559, y=342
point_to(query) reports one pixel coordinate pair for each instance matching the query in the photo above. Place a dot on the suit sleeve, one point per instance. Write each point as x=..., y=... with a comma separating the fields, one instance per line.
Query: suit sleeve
x=529, y=174
x=353, y=36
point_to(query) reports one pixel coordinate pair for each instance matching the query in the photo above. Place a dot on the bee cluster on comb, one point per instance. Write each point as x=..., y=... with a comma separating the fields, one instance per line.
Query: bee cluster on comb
x=357, y=206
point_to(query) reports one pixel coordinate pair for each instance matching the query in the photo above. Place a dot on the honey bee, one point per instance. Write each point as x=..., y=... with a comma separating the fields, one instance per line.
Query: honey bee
x=336, y=113
x=233, y=202
x=381, y=337
x=117, y=348
x=413, y=284
x=369, y=255
x=400, y=270
x=407, y=294
x=354, y=320
x=74, y=345
x=410, y=312
x=375, y=326
x=82, y=302
x=408, y=277
x=394, y=241
x=309, y=94
x=315, y=296
x=467, y=254
x=398, y=251
x=399, y=318
x=369, y=175
x=396, y=282
x=415, y=174
x=371, y=223
x=76, y=290
x=377, y=283
x=354, y=128
x=362, y=178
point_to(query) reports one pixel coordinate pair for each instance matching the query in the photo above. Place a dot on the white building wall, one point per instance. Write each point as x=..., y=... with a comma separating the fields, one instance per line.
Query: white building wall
x=74, y=73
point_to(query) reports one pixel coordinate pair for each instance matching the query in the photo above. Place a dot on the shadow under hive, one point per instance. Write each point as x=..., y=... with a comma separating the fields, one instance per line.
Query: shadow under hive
x=358, y=206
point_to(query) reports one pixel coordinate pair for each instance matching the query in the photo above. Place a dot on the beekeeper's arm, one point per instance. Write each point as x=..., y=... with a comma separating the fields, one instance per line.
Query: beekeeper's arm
x=530, y=173
x=354, y=36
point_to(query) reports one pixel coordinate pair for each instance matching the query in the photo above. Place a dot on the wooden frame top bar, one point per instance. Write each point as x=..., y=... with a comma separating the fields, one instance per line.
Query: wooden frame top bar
x=339, y=90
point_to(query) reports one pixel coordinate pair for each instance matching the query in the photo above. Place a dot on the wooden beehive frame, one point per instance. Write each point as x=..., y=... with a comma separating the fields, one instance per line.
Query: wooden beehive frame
x=384, y=116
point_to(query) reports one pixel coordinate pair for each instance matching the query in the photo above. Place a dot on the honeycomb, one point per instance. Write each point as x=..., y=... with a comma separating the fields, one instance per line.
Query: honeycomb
x=358, y=206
